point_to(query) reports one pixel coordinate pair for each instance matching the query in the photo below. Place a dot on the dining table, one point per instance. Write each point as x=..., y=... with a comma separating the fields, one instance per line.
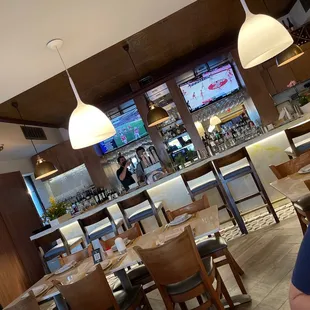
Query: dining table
x=203, y=224
x=292, y=186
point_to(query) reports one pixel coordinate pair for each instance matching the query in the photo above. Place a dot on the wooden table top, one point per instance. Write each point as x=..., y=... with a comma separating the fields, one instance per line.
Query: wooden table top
x=293, y=186
x=203, y=223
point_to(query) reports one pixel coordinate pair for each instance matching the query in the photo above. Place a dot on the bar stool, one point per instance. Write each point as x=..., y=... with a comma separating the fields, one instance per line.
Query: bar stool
x=152, y=209
x=212, y=182
x=295, y=150
x=239, y=172
x=109, y=227
x=49, y=249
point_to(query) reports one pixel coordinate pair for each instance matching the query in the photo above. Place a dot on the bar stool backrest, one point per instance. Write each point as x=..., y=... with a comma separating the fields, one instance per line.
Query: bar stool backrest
x=48, y=241
x=196, y=173
x=232, y=158
x=135, y=200
x=295, y=132
x=94, y=218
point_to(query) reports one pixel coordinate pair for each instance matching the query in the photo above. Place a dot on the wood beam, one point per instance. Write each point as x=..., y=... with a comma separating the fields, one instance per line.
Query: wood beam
x=26, y=122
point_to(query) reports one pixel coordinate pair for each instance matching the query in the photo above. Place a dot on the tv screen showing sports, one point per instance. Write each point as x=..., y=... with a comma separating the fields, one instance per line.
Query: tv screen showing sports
x=210, y=87
x=129, y=127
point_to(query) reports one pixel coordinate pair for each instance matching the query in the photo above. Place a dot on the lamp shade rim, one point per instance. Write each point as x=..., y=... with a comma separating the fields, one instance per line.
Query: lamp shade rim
x=291, y=53
x=44, y=169
x=156, y=116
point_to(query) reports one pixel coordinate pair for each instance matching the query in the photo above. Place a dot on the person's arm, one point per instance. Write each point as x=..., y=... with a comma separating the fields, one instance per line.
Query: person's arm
x=122, y=176
x=298, y=300
x=140, y=173
x=299, y=294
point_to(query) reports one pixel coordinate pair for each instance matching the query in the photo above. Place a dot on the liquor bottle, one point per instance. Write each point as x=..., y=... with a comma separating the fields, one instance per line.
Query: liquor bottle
x=290, y=25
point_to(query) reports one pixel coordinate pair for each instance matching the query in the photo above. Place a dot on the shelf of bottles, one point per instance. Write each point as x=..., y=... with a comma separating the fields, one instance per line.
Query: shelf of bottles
x=230, y=134
x=301, y=35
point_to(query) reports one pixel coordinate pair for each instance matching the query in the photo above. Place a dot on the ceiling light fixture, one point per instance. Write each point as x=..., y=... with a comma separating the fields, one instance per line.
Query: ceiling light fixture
x=156, y=114
x=43, y=168
x=87, y=125
x=261, y=37
x=290, y=54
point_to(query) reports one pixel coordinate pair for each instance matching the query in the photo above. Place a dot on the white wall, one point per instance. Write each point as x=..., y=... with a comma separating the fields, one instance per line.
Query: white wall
x=297, y=15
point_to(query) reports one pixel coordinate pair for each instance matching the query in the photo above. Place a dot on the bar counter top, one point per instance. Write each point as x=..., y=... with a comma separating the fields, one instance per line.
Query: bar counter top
x=171, y=176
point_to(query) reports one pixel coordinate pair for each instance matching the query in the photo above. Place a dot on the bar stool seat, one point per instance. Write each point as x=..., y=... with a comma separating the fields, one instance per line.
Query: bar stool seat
x=204, y=187
x=211, y=245
x=144, y=212
x=237, y=172
x=301, y=147
x=192, y=282
x=105, y=229
x=60, y=248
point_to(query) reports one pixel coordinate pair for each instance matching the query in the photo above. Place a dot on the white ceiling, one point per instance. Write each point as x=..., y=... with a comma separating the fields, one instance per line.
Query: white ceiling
x=87, y=27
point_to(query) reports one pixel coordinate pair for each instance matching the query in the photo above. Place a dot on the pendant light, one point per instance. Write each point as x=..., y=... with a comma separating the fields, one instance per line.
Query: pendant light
x=214, y=121
x=42, y=168
x=290, y=54
x=156, y=115
x=87, y=125
x=261, y=37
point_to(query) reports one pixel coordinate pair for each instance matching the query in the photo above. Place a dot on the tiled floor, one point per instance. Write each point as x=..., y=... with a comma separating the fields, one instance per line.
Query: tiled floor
x=267, y=257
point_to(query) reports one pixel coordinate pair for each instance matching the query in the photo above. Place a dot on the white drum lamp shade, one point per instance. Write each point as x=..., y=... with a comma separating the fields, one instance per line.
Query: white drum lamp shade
x=88, y=125
x=261, y=37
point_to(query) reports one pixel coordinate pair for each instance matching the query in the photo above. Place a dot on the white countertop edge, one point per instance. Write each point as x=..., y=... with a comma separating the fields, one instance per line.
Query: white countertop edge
x=174, y=175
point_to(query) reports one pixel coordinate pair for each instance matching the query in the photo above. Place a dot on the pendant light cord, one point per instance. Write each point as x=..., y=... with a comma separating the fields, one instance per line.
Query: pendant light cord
x=76, y=94
x=15, y=105
x=126, y=49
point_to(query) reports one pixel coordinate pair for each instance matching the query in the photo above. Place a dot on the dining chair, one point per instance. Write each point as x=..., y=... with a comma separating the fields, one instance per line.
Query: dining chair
x=27, y=303
x=209, y=183
x=181, y=275
x=110, y=226
x=237, y=172
x=295, y=150
x=49, y=249
x=94, y=293
x=76, y=257
x=138, y=275
x=302, y=206
x=152, y=209
x=291, y=166
x=215, y=246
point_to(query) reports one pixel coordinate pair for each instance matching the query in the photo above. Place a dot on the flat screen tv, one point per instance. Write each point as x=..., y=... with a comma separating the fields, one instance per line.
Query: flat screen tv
x=129, y=127
x=210, y=87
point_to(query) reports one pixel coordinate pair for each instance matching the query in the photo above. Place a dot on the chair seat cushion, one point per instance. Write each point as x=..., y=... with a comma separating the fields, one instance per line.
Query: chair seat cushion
x=191, y=282
x=238, y=171
x=138, y=276
x=211, y=245
x=104, y=229
x=301, y=147
x=144, y=212
x=204, y=187
x=303, y=203
x=126, y=298
x=60, y=248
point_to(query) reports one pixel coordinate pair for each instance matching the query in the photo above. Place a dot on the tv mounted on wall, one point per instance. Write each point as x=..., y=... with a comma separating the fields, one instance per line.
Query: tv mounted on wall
x=129, y=127
x=210, y=87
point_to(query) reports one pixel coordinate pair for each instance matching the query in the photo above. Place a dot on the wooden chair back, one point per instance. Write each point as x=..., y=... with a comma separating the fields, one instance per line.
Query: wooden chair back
x=292, y=166
x=232, y=158
x=77, y=257
x=135, y=200
x=302, y=208
x=92, y=292
x=173, y=262
x=48, y=241
x=131, y=234
x=194, y=207
x=27, y=303
x=295, y=132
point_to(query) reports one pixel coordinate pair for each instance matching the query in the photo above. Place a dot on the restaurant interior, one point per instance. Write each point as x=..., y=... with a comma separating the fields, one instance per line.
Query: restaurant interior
x=154, y=154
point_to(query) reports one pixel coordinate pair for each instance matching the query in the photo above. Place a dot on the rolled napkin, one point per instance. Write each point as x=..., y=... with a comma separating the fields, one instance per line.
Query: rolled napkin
x=120, y=245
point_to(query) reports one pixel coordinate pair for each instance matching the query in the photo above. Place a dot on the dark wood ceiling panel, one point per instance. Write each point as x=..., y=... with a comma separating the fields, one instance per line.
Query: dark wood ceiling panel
x=198, y=28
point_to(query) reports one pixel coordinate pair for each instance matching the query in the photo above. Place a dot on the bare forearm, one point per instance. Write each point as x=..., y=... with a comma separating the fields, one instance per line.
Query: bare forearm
x=122, y=176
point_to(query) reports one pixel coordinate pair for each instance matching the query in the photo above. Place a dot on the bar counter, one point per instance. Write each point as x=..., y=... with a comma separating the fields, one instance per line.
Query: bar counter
x=264, y=150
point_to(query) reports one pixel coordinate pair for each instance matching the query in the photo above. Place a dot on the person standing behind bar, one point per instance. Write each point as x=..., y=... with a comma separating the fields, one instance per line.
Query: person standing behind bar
x=123, y=174
x=139, y=169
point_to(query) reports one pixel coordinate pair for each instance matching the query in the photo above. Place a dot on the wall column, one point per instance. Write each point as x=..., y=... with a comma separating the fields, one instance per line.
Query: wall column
x=258, y=91
x=185, y=115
